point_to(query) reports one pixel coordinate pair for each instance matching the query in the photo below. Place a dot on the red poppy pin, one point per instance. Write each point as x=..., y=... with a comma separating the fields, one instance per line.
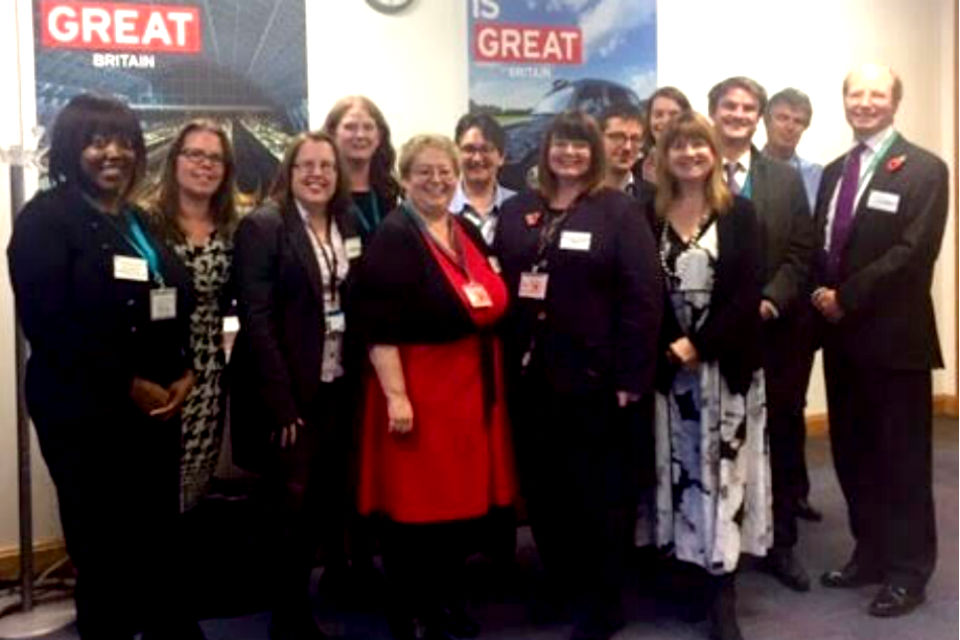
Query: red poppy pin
x=532, y=219
x=894, y=164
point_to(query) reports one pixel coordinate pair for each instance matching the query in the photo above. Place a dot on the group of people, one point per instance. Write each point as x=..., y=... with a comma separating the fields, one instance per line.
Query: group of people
x=423, y=348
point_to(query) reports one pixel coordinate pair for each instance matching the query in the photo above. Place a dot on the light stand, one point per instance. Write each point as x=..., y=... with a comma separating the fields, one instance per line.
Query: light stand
x=36, y=614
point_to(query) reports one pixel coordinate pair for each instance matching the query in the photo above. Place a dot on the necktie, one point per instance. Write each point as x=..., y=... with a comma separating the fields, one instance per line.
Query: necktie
x=843, y=214
x=731, y=171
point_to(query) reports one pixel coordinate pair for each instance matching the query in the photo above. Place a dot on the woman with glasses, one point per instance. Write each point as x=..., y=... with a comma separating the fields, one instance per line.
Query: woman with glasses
x=106, y=309
x=580, y=265
x=435, y=452
x=292, y=371
x=192, y=209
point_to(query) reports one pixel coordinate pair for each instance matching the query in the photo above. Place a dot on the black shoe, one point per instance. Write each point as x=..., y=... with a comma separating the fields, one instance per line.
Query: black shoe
x=784, y=566
x=300, y=626
x=456, y=622
x=804, y=511
x=894, y=601
x=851, y=576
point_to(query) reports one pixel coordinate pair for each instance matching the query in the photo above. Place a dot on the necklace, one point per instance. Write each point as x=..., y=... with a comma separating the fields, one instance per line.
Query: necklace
x=693, y=243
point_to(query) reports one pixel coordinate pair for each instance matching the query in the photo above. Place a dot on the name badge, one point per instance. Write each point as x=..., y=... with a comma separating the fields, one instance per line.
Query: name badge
x=575, y=240
x=533, y=285
x=130, y=268
x=163, y=304
x=336, y=322
x=231, y=324
x=477, y=295
x=353, y=247
x=494, y=263
x=883, y=201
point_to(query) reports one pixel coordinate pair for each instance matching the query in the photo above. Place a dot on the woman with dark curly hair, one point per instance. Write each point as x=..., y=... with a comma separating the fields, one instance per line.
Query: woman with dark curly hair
x=363, y=139
x=192, y=209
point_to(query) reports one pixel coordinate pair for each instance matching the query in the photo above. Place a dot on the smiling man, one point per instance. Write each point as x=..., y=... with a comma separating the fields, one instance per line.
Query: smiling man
x=880, y=214
x=778, y=195
x=622, y=128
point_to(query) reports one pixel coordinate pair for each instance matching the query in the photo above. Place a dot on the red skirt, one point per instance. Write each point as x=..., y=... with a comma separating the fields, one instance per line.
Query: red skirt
x=452, y=465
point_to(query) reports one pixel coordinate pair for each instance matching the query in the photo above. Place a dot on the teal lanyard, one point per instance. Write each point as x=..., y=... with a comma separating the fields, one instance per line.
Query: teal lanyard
x=747, y=191
x=877, y=158
x=375, y=210
x=138, y=240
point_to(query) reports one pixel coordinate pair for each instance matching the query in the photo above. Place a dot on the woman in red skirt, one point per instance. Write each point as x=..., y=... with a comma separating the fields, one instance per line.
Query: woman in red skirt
x=435, y=450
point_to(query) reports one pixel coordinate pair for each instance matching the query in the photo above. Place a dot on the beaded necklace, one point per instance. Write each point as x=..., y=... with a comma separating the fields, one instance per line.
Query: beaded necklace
x=702, y=226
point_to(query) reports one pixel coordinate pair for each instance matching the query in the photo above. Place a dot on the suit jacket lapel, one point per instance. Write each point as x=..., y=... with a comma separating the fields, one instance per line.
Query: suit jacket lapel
x=303, y=248
x=880, y=180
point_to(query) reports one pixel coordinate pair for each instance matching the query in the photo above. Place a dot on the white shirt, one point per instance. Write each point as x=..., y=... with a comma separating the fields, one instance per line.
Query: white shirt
x=742, y=170
x=486, y=221
x=873, y=144
x=330, y=253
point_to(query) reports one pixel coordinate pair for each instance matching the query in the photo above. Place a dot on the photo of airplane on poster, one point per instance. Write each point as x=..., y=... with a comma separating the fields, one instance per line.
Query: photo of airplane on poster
x=532, y=59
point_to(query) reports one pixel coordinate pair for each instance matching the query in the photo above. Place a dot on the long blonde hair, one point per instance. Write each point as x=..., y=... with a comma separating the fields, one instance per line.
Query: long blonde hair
x=690, y=125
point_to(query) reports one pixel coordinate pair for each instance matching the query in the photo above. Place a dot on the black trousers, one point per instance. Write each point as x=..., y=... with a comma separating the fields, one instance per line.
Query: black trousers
x=578, y=457
x=118, y=490
x=307, y=490
x=880, y=431
x=787, y=359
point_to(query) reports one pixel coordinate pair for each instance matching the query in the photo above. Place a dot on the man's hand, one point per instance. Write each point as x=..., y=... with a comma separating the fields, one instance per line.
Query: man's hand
x=825, y=301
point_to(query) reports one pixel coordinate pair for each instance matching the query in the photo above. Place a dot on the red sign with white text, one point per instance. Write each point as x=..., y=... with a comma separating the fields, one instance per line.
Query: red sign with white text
x=526, y=43
x=108, y=26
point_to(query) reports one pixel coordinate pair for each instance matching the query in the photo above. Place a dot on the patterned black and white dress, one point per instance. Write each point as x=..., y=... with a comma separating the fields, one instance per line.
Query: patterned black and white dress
x=202, y=416
x=713, y=474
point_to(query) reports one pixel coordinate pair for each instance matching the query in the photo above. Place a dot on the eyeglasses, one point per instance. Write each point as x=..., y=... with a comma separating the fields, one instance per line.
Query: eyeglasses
x=196, y=156
x=619, y=138
x=471, y=149
x=310, y=167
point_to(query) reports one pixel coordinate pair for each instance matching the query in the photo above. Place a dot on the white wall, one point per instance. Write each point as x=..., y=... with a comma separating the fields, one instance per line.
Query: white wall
x=414, y=67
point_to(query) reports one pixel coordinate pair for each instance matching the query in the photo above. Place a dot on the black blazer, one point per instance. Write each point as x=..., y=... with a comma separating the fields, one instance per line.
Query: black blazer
x=731, y=333
x=887, y=266
x=787, y=232
x=90, y=333
x=276, y=361
x=603, y=306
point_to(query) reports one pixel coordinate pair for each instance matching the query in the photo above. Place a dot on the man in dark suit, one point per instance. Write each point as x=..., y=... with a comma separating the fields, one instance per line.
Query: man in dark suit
x=778, y=195
x=880, y=213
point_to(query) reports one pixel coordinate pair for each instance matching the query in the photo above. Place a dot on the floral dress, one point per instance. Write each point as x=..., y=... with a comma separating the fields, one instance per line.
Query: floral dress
x=202, y=416
x=713, y=474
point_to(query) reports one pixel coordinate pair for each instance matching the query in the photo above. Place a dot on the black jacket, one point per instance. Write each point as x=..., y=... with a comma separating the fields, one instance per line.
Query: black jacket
x=90, y=333
x=604, y=305
x=276, y=362
x=731, y=333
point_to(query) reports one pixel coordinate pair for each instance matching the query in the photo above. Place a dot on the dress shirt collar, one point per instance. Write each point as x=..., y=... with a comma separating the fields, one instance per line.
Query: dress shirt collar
x=461, y=202
x=877, y=140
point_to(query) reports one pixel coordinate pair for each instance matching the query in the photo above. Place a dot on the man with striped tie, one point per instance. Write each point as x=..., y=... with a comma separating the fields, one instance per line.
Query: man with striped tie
x=778, y=195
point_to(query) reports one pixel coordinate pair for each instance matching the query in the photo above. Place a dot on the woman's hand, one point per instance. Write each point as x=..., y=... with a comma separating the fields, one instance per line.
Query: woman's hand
x=399, y=413
x=176, y=396
x=683, y=352
x=148, y=396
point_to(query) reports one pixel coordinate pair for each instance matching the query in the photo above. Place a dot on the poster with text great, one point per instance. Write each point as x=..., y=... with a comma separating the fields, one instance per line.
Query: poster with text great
x=531, y=59
x=241, y=63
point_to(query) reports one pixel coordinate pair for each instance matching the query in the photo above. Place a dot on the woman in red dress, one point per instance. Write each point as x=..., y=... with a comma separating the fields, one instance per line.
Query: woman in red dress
x=435, y=451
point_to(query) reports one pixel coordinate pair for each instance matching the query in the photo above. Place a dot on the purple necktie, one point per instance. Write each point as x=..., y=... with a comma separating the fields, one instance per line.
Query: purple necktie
x=843, y=214
x=731, y=171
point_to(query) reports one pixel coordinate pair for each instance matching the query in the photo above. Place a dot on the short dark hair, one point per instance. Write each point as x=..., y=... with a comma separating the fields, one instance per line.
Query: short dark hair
x=572, y=125
x=488, y=126
x=622, y=110
x=737, y=82
x=85, y=117
x=793, y=98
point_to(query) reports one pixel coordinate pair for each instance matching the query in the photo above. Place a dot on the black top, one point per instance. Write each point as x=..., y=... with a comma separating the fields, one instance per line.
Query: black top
x=731, y=333
x=369, y=210
x=603, y=308
x=90, y=332
x=401, y=294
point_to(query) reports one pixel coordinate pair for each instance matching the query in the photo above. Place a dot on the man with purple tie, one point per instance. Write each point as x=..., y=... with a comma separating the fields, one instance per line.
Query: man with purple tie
x=880, y=213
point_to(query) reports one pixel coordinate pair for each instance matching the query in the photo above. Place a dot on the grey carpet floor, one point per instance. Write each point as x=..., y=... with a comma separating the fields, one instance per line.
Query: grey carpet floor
x=767, y=610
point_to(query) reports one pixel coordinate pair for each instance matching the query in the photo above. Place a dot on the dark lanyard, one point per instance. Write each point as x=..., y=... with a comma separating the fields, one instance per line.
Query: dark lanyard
x=550, y=228
x=136, y=237
x=330, y=262
x=455, y=253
